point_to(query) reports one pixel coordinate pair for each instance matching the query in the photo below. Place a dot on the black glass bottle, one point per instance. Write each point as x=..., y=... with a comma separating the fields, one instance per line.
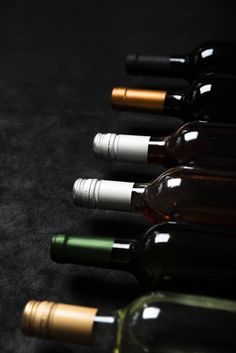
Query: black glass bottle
x=211, y=98
x=211, y=56
x=187, y=257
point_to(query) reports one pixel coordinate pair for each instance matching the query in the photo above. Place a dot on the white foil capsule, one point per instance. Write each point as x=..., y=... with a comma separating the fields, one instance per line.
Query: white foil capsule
x=129, y=148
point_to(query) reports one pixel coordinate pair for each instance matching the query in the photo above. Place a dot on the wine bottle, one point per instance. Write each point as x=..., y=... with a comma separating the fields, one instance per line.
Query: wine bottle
x=162, y=322
x=196, y=143
x=181, y=194
x=211, y=56
x=209, y=98
x=193, y=258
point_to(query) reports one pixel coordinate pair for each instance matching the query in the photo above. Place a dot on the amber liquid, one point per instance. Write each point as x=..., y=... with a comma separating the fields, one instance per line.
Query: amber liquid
x=197, y=144
x=190, y=195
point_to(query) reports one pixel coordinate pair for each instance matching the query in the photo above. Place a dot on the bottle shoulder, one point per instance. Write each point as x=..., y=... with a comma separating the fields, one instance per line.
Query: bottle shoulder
x=212, y=95
x=180, y=299
x=213, y=54
x=188, y=172
x=171, y=173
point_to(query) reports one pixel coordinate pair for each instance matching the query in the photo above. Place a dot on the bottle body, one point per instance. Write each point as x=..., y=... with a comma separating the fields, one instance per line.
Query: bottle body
x=211, y=97
x=196, y=143
x=165, y=323
x=188, y=258
x=157, y=323
x=212, y=56
x=189, y=195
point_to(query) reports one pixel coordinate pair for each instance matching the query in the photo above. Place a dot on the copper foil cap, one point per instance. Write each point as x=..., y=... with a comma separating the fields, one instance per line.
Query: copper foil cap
x=138, y=98
x=63, y=322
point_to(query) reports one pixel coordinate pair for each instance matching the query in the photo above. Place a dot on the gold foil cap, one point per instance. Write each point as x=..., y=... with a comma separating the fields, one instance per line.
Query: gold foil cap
x=138, y=98
x=57, y=321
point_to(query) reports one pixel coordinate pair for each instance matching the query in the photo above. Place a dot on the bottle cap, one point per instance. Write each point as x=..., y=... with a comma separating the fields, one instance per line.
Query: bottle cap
x=118, y=96
x=128, y=148
x=138, y=98
x=102, y=194
x=62, y=322
x=132, y=64
x=80, y=249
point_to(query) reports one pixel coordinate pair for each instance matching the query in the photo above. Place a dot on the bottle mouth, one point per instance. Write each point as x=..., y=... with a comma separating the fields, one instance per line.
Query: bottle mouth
x=132, y=64
x=126, y=148
x=85, y=192
x=102, y=194
x=105, y=146
x=118, y=96
x=35, y=318
x=58, y=248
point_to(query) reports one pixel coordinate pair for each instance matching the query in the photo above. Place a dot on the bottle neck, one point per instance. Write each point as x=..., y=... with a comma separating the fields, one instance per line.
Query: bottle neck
x=165, y=102
x=161, y=65
x=107, y=194
x=139, y=202
x=105, y=331
x=93, y=251
x=138, y=99
x=131, y=148
x=178, y=65
x=157, y=152
x=175, y=103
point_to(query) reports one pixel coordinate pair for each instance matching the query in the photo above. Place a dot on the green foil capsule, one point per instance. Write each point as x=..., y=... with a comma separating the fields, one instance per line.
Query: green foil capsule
x=79, y=249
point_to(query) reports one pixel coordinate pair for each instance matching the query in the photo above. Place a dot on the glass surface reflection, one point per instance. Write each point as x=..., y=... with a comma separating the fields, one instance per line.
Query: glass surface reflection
x=151, y=313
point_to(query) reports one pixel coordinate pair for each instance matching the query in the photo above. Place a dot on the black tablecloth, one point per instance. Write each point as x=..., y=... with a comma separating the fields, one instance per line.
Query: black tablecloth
x=58, y=63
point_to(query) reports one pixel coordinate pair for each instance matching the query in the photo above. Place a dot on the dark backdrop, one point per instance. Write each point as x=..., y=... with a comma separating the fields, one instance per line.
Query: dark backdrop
x=58, y=63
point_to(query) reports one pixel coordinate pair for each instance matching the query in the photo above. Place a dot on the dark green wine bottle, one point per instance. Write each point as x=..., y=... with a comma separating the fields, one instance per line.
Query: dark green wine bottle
x=211, y=56
x=186, y=257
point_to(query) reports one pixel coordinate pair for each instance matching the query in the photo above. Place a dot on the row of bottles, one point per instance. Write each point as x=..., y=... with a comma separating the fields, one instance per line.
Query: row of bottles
x=191, y=246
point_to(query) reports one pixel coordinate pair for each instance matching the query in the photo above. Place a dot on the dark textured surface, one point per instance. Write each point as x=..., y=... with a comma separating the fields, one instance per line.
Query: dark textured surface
x=58, y=63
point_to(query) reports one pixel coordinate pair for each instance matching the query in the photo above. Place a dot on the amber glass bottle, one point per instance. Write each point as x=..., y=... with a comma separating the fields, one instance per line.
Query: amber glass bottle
x=196, y=143
x=181, y=194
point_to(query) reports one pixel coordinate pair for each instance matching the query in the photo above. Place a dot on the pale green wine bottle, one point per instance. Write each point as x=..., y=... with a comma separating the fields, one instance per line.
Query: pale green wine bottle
x=157, y=323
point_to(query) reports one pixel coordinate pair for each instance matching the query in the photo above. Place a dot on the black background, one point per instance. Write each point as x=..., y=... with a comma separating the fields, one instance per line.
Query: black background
x=58, y=63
